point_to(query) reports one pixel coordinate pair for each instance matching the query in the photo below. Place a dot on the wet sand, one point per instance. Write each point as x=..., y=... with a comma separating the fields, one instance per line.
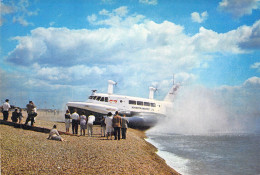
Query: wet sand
x=29, y=152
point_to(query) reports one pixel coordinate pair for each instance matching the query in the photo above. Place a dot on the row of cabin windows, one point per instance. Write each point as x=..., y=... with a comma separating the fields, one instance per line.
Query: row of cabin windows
x=99, y=98
x=131, y=102
x=141, y=103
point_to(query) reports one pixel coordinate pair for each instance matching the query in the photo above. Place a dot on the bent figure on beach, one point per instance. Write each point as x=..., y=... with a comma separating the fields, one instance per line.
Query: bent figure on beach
x=54, y=134
x=15, y=116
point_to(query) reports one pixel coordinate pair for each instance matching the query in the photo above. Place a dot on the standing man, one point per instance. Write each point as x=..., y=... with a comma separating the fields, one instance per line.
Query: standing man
x=124, y=126
x=91, y=119
x=103, y=127
x=75, y=122
x=117, y=123
x=6, y=107
x=30, y=110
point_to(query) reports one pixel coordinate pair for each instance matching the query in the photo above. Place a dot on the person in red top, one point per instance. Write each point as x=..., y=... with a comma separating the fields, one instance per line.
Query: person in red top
x=117, y=123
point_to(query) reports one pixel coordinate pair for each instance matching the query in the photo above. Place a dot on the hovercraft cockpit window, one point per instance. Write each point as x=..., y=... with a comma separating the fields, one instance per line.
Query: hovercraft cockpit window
x=147, y=104
x=153, y=104
x=132, y=102
x=140, y=103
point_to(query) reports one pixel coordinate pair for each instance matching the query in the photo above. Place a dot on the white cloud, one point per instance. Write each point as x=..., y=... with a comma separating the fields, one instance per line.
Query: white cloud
x=253, y=82
x=199, y=18
x=52, y=23
x=239, y=8
x=121, y=11
x=19, y=11
x=251, y=37
x=256, y=66
x=149, y=2
x=234, y=41
x=185, y=78
x=21, y=20
x=5, y=9
x=132, y=47
x=68, y=74
x=116, y=18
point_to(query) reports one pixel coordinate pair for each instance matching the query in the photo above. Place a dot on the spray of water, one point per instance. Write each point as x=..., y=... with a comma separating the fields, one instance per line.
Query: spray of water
x=198, y=110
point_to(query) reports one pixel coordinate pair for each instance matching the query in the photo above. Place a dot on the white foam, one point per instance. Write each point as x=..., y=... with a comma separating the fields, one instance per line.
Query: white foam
x=177, y=163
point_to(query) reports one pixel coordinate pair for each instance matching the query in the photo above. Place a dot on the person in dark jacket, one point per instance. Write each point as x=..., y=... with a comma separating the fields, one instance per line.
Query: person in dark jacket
x=31, y=112
x=124, y=126
x=20, y=116
x=103, y=127
x=117, y=123
x=15, y=116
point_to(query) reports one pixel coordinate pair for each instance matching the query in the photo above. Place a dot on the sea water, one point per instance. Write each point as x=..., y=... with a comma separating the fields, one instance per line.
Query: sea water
x=208, y=133
x=215, y=154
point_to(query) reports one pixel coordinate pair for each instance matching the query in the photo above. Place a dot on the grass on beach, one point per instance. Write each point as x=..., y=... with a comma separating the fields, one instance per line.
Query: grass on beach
x=29, y=152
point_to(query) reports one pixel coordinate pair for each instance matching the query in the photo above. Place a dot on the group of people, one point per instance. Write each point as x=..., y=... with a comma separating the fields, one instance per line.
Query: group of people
x=110, y=125
x=114, y=125
x=17, y=115
x=82, y=120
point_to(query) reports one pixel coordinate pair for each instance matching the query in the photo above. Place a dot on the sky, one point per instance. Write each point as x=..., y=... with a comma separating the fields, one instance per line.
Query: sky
x=55, y=51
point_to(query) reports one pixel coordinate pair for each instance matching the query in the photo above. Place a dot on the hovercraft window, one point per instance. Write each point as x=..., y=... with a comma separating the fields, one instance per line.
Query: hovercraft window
x=153, y=104
x=94, y=97
x=106, y=99
x=102, y=99
x=140, y=103
x=98, y=98
x=147, y=104
x=132, y=102
x=90, y=97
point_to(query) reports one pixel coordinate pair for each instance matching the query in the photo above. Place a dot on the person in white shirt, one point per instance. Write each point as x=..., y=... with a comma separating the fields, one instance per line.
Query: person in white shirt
x=109, y=125
x=91, y=119
x=6, y=107
x=75, y=122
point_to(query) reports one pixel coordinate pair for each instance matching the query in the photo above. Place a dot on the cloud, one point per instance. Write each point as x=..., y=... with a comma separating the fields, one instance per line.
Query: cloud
x=116, y=18
x=251, y=38
x=5, y=9
x=21, y=21
x=19, y=11
x=149, y=2
x=256, y=66
x=52, y=23
x=253, y=82
x=131, y=46
x=239, y=8
x=234, y=41
x=67, y=75
x=184, y=77
x=199, y=18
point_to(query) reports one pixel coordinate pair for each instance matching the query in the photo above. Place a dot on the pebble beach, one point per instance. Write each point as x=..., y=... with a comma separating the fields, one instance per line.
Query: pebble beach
x=30, y=152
